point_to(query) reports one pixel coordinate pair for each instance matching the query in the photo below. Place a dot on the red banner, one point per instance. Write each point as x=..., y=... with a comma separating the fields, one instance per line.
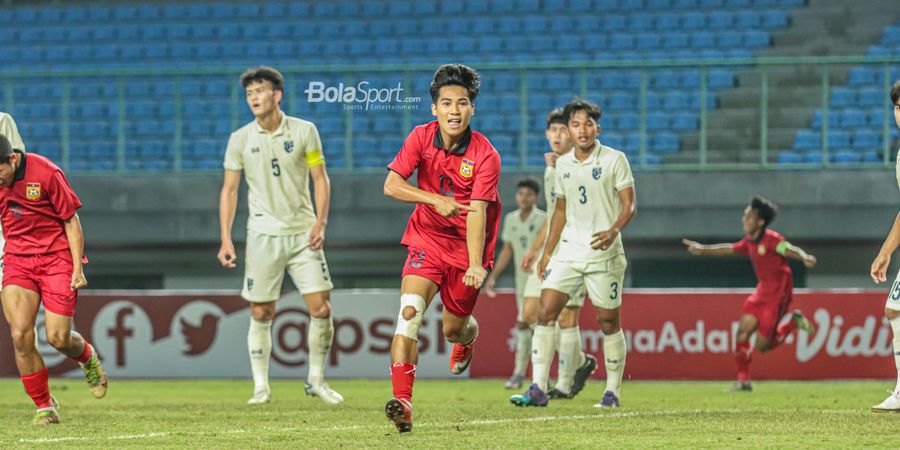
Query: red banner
x=681, y=334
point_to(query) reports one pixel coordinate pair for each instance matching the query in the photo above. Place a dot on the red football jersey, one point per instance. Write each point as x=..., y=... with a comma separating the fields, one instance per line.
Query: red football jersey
x=34, y=207
x=470, y=171
x=771, y=268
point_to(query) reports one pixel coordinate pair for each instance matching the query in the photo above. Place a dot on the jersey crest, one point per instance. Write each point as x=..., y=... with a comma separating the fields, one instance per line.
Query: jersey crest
x=288, y=146
x=597, y=172
x=33, y=191
x=761, y=250
x=466, y=167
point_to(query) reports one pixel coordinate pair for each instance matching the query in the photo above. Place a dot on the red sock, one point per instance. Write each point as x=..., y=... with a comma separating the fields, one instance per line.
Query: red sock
x=85, y=355
x=742, y=359
x=402, y=377
x=38, y=388
x=783, y=331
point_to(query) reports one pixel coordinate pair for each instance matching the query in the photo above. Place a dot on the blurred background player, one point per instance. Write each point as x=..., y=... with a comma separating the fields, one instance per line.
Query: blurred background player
x=879, y=275
x=764, y=309
x=278, y=154
x=595, y=202
x=574, y=366
x=452, y=231
x=9, y=129
x=520, y=228
x=43, y=264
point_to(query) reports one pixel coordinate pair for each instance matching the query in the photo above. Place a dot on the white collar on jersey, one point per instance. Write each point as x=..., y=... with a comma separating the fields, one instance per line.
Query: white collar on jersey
x=593, y=158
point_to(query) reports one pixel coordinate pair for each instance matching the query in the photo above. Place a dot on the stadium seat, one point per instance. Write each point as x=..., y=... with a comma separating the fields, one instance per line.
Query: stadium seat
x=675, y=40
x=756, y=39
x=720, y=20
x=693, y=21
x=788, y=157
x=838, y=139
x=774, y=19
x=866, y=140
x=807, y=140
x=851, y=118
x=748, y=20
x=841, y=96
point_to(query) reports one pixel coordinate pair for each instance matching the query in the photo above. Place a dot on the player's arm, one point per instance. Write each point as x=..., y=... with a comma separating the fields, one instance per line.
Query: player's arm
x=506, y=254
x=557, y=224
x=397, y=188
x=879, y=268
x=322, y=186
x=75, y=235
x=476, y=220
x=539, y=239
x=788, y=250
x=603, y=239
x=697, y=248
x=227, y=209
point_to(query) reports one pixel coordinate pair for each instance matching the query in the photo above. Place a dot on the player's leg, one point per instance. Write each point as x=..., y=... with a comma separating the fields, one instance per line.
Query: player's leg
x=604, y=286
x=459, y=326
x=892, y=313
x=527, y=316
x=742, y=350
x=574, y=365
x=20, y=308
x=263, y=274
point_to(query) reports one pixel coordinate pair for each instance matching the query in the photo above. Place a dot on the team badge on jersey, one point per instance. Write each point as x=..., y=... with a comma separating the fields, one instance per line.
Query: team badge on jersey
x=465, y=168
x=33, y=191
x=597, y=172
x=761, y=250
x=288, y=146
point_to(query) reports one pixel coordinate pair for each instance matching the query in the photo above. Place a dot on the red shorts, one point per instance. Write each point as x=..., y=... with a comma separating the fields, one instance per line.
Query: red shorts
x=768, y=310
x=457, y=298
x=49, y=275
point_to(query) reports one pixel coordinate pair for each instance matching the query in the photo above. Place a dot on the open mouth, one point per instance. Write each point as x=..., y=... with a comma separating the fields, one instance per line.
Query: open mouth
x=454, y=123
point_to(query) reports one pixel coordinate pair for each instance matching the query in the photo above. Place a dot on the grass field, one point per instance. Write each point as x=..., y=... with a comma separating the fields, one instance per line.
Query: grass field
x=460, y=414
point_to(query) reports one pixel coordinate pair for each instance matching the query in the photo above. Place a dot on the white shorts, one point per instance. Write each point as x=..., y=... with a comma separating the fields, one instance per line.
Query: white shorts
x=893, y=297
x=526, y=287
x=269, y=256
x=602, y=280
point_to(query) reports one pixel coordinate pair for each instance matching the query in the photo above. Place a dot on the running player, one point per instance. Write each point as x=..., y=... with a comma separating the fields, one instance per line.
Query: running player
x=769, y=303
x=278, y=154
x=451, y=233
x=520, y=228
x=595, y=202
x=43, y=264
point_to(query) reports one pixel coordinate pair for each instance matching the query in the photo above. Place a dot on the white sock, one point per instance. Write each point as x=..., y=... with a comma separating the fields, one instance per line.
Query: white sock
x=895, y=327
x=542, y=354
x=614, y=358
x=523, y=350
x=259, y=343
x=569, y=358
x=320, y=336
x=556, y=337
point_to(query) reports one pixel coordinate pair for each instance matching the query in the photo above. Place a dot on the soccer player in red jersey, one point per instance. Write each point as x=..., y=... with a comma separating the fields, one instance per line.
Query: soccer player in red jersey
x=451, y=233
x=764, y=309
x=43, y=263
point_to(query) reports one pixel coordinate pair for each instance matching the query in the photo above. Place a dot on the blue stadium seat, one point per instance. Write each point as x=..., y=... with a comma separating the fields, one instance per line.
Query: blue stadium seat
x=684, y=4
x=807, y=140
x=720, y=20
x=647, y=41
x=702, y=40
x=841, y=96
x=614, y=22
x=847, y=158
x=755, y=39
x=871, y=96
x=693, y=21
x=866, y=140
x=621, y=41
x=891, y=36
x=675, y=40
x=628, y=121
x=665, y=143
x=721, y=78
x=640, y=22
x=685, y=121
x=730, y=39
x=834, y=120
x=876, y=117
x=657, y=121
x=658, y=5
x=863, y=76
x=676, y=101
x=852, y=118
x=788, y=157
x=838, y=139
x=775, y=19
x=748, y=20
x=665, y=79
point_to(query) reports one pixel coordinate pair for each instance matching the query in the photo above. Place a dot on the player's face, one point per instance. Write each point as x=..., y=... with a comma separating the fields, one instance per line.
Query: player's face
x=8, y=170
x=897, y=115
x=558, y=137
x=453, y=110
x=526, y=198
x=262, y=98
x=751, y=221
x=583, y=130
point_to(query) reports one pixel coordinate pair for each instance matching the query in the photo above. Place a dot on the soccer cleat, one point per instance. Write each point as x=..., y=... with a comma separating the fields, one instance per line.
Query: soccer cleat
x=324, y=392
x=95, y=376
x=741, y=386
x=399, y=412
x=583, y=373
x=890, y=404
x=556, y=394
x=461, y=357
x=609, y=400
x=534, y=396
x=45, y=417
x=802, y=322
x=514, y=382
x=260, y=397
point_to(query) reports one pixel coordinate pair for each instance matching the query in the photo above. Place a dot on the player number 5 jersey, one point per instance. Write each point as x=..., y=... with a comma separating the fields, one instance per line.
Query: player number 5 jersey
x=591, y=189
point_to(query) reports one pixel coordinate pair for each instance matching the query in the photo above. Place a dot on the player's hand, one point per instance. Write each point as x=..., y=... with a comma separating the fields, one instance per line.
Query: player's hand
x=550, y=159
x=448, y=207
x=317, y=237
x=227, y=256
x=78, y=280
x=879, y=268
x=695, y=248
x=528, y=261
x=542, y=266
x=810, y=261
x=603, y=239
x=489, y=287
x=475, y=276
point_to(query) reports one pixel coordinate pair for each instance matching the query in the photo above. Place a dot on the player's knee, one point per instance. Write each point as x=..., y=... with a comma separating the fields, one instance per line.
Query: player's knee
x=762, y=346
x=568, y=318
x=412, y=308
x=263, y=311
x=891, y=314
x=23, y=339
x=58, y=340
x=609, y=325
x=322, y=311
x=522, y=325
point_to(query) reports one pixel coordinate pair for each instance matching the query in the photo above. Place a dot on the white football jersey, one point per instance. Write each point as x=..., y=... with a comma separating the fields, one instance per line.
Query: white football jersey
x=521, y=234
x=591, y=189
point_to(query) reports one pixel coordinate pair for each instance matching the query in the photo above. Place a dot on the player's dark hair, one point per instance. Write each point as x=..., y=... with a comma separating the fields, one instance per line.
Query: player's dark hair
x=263, y=73
x=555, y=116
x=529, y=183
x=577, y=104
x=455, y=75
x=895, y=93
x=765, y=209
x=5, y=149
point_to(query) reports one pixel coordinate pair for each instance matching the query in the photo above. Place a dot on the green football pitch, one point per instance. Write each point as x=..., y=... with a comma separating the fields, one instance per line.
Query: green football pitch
x=452, y=414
